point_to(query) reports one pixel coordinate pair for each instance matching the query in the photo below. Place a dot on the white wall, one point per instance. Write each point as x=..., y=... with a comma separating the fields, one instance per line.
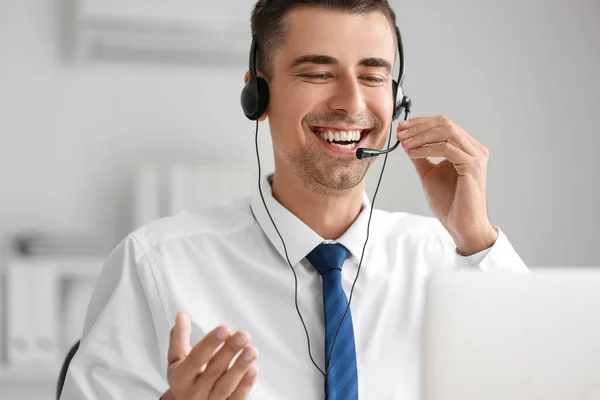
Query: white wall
x=519, y=76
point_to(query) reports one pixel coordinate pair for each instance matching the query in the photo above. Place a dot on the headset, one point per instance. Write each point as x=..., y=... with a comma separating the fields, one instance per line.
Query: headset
x=255, y=99
x=255, y=95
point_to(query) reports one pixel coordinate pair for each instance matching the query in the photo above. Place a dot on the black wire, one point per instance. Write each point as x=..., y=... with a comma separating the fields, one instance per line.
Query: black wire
x=326, y=373
x=361, y=256
x=286, y=254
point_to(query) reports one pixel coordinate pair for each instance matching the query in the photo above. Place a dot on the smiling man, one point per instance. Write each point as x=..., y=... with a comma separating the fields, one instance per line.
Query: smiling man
x=184, y=304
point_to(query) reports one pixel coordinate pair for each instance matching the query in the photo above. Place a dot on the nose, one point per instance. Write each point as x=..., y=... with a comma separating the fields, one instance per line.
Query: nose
x=348, y=96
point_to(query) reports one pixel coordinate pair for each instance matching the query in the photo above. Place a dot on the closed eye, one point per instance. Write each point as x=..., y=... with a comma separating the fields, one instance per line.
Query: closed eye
x=316, y=76
x=324, y=77
x=374, y=79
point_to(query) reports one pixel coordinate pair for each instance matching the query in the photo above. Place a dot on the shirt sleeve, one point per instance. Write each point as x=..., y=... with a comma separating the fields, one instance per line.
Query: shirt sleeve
x=500, y=257
x=120, y=354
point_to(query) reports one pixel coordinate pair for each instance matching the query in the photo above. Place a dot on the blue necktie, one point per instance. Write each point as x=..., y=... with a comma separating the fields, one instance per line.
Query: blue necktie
x=342, y=378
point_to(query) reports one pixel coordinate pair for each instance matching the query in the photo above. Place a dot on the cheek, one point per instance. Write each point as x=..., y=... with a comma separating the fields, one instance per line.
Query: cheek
x=297, y=100
x=288, y=106
x=381, y=104
x=280, y=109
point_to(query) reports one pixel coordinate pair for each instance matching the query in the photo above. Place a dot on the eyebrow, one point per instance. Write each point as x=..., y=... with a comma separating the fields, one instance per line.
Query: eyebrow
x=376, y=62
x=329, y=60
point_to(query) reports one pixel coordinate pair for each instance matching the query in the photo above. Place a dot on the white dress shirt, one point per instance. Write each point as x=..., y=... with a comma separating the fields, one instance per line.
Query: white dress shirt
x=226, y=265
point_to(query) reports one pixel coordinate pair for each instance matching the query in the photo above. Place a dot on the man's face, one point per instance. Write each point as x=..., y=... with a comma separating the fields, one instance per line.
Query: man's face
x=331, y=77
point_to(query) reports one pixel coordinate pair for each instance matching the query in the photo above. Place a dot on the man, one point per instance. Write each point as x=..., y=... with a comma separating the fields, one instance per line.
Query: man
x=195, y=279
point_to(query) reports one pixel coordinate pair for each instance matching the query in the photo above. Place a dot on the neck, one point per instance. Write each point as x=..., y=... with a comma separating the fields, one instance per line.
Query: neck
x=328, y=216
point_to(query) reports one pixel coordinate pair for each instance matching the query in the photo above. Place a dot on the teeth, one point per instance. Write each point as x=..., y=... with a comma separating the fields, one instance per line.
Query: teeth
x=350, y=136
x=345, y=146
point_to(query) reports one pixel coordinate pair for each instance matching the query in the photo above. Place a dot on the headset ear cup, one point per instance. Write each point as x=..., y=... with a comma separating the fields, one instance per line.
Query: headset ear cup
x=249, y=100
x=398, y=110
x=397, y=104
x=263, y=97
x=395, y=93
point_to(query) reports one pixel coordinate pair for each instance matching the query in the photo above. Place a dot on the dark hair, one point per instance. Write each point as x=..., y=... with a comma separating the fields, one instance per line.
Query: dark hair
x=269, y=30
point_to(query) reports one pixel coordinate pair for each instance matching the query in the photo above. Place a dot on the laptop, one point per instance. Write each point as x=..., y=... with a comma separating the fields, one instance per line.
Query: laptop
x=500, y=336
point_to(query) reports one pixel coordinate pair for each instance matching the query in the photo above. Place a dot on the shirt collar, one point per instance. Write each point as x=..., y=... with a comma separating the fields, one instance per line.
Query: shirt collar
x=299, y=238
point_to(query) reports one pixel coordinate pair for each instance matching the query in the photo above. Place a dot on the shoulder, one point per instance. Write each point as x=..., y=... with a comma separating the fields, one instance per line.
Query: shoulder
x=221, y=220
x=406, y=226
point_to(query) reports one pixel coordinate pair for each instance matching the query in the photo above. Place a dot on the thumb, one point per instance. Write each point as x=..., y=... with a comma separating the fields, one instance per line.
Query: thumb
x=179, y=346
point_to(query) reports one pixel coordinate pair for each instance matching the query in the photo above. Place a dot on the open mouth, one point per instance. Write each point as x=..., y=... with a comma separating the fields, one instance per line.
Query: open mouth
x=343, y=139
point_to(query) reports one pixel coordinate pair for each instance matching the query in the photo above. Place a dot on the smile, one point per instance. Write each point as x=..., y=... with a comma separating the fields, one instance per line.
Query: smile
x=343, y=139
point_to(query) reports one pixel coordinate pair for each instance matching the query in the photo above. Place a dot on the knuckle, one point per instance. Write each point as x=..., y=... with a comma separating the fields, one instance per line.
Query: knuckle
x=208, y=346
x=446, y=149
x=445, y=120
x=197, y=359
x=175, y=383
x=221, y=391
x=486, y=152
x=174, y=379
x=225, y=353
x=478, y=164
x=212, y=372
x=230, y=345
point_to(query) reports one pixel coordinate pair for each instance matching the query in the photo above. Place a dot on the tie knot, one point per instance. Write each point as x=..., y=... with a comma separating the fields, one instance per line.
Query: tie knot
x=327, y=256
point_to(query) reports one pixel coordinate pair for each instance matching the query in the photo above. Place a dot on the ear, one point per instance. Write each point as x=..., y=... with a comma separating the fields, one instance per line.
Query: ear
x=246, y=77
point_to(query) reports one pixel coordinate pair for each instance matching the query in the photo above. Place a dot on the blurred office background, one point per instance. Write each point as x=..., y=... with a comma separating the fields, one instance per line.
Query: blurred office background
x=116, y=112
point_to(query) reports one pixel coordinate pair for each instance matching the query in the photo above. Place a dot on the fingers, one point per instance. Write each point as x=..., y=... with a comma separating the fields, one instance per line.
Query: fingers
x=179, y=345
x=446, y=150
x=438, y=135
x=413, y=121
x=203, y=351
x=422, y=131
x=246, y=384
x=243, y=372
x=219, y=363
x=208, y=371
x=408, y=129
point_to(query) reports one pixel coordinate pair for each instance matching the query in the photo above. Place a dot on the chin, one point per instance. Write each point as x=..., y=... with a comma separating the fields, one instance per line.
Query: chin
x=341, y=178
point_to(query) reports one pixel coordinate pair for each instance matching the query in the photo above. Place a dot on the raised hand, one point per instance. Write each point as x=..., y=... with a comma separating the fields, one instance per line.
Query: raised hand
x=206, y=372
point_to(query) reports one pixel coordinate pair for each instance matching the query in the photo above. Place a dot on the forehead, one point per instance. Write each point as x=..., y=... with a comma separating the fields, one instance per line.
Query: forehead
x=348, y=37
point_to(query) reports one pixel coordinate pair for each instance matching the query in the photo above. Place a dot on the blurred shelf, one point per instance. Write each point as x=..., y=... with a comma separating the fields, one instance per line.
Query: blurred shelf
x=66, y=267
x=40, y=374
